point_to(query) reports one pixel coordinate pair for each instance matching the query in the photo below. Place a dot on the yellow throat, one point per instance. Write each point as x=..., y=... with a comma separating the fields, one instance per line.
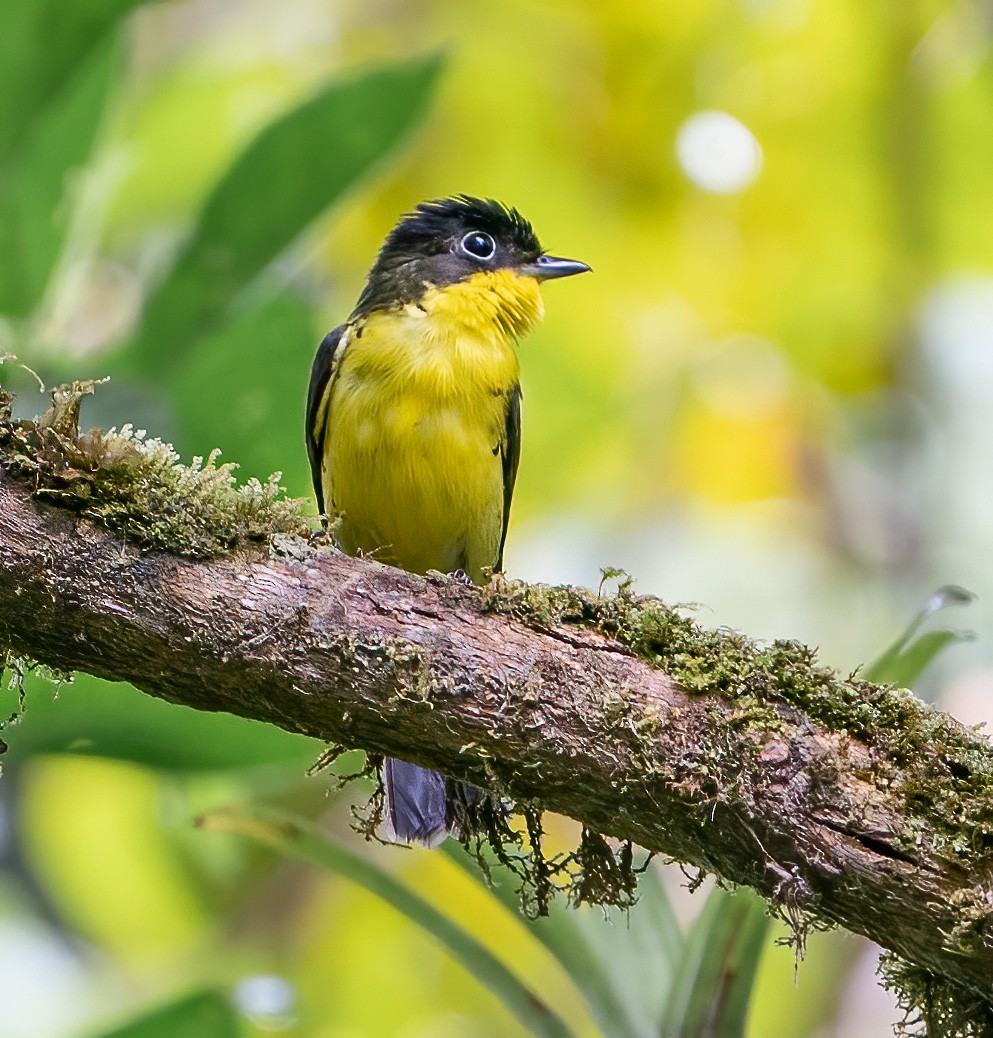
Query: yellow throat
x=497, y=302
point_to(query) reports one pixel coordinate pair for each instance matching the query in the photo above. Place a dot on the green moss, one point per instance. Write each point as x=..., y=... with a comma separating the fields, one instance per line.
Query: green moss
x=943, y=771
x=137, y=488
x=934, y=1006
x=701, y=661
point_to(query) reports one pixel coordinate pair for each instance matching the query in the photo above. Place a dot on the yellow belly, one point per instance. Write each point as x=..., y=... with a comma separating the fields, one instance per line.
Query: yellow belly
x=412, y=465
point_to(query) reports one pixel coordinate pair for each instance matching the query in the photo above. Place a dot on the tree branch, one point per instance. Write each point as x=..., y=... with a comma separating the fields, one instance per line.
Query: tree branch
x=849, y=802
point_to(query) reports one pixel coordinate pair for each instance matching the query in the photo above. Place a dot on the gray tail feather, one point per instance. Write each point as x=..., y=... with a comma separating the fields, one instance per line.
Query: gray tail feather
x=416, y=803
x=422, y=806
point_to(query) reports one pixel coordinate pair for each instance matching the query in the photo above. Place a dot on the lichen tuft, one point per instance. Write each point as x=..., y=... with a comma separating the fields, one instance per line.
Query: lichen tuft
x=136, y=487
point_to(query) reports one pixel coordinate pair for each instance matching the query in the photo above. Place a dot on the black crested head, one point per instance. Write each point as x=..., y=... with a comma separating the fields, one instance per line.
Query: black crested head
x=445, y=241
x=434, y=226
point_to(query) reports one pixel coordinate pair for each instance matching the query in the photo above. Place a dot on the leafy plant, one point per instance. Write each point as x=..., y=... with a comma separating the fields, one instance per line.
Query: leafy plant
x=640, y=976
x=906, y=659
x=298, y=838
x=205, y=1014
x=51, y=112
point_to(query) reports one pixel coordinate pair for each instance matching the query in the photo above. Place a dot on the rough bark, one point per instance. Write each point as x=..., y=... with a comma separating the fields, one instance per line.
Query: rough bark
x=851, y=825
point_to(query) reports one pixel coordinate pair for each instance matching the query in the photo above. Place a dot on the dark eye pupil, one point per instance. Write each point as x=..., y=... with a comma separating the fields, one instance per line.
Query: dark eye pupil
x=478, y=244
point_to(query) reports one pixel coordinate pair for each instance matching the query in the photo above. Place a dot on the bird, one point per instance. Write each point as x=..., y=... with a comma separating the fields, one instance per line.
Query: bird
x=414, y=424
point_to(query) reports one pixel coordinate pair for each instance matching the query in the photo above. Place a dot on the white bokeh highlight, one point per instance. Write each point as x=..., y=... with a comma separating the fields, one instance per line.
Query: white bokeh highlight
x=267, y=1000
x=718, y=152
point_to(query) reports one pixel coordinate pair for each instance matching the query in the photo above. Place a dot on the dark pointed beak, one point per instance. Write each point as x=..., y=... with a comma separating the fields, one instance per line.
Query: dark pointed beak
x=546, y=267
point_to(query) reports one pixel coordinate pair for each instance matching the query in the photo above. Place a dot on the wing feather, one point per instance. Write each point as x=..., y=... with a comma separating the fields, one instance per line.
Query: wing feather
x=319, y=403
x=510, y=455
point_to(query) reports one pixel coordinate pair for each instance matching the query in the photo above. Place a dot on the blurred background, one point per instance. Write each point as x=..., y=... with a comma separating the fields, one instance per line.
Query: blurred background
x=768, y=402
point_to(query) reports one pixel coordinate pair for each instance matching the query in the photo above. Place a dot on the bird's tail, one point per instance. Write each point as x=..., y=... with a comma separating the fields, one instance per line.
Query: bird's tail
x=422, y=806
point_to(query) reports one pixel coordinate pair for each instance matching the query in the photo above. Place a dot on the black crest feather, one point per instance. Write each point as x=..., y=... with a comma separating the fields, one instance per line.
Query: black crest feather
x=432, y=226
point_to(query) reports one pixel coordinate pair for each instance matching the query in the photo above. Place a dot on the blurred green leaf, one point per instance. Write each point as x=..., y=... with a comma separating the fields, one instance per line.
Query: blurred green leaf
x=909, y=656
x=103, y=719
x=622, y=966
x=260, y=361
x=292, y=171
x=204, y=1015
x=36, y=185
x=710, y=992
x=296, y=838
x=905, y=668
x=42, y=44
x=641, y=950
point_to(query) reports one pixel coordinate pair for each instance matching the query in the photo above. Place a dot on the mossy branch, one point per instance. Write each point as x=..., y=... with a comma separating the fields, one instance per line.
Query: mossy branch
x=839, y=800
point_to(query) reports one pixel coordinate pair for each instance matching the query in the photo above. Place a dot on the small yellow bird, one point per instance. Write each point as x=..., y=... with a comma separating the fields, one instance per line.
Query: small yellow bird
x=414, y=421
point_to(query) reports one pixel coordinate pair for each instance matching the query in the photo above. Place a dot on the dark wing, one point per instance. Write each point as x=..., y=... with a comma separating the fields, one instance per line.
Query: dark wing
x=318, y=402
x=510, y=455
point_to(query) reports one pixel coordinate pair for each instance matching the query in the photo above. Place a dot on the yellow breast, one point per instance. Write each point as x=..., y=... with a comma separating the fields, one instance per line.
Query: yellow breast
x=416, y=423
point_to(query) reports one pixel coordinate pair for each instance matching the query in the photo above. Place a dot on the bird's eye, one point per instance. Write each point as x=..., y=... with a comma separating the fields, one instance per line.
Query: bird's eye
x=479, y=245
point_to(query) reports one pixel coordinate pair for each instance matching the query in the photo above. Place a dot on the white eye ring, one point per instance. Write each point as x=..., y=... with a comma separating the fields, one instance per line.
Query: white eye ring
x=479, y=245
